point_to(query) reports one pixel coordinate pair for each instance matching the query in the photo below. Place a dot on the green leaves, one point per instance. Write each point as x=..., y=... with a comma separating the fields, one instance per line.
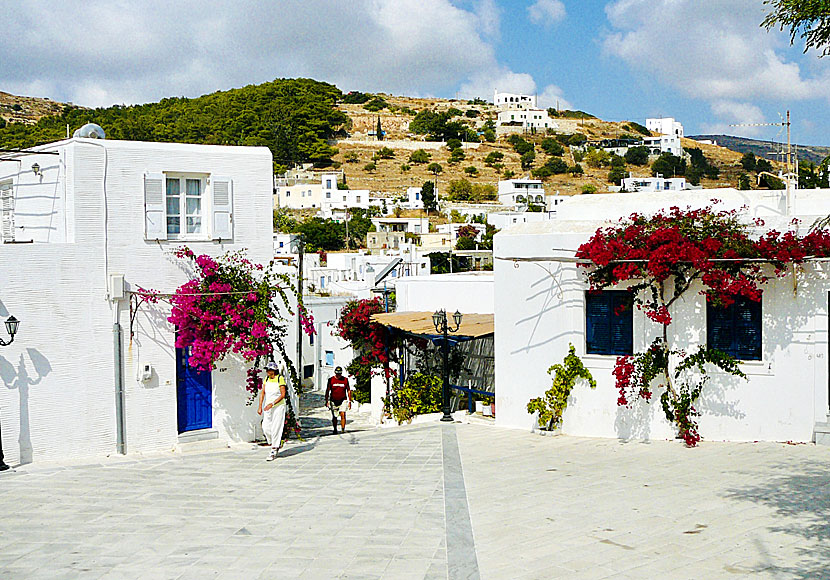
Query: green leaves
x=565, y=375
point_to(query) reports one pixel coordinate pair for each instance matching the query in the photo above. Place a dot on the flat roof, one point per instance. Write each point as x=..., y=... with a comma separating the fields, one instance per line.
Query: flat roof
x=472, y=324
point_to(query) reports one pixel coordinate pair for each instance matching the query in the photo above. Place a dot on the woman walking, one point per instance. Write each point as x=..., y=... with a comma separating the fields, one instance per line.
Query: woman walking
x=272, y=408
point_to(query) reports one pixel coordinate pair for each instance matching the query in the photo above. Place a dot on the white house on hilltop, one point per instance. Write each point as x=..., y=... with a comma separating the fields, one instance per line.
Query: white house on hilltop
x=90, y=220
x=514, y=100
x=665, y=126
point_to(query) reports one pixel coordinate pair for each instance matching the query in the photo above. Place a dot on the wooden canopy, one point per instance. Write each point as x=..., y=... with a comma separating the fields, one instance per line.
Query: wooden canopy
x=472, y=325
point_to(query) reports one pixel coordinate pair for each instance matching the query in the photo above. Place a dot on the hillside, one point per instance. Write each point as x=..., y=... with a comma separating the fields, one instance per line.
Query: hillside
x=26, y=110
x=303, y=120
x=770, y=149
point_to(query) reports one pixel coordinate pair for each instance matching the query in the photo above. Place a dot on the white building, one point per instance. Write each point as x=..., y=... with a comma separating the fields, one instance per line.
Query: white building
x=519, y=192
x=514, y=101
x=324, y=196
x=451, y=230
x=415, y=225
x=540, y=308
x=413, y=199
x=524, y=120
x=663, y=144
x=325, y=350
x=665, y=126
x=650, y=184
x=505, y=219
x=82, y=216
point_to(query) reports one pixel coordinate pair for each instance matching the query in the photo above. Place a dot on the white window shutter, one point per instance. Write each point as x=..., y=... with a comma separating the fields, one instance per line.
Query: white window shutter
x=155, y=215
x=222, y=202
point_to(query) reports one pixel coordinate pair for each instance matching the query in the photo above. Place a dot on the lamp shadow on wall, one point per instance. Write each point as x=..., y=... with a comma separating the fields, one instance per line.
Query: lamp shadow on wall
x=20, y=379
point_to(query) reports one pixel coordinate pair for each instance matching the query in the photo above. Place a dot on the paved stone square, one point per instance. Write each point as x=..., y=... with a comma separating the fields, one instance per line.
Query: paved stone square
x=429, y=501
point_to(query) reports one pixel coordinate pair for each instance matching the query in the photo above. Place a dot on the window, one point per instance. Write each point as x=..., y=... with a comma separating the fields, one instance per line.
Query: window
x=308, y=371
x=328, y=184
x=736, y=329
x=609, y=322
x=183, y=196
x=311, y=339
x=328, y=195
x=329, y=358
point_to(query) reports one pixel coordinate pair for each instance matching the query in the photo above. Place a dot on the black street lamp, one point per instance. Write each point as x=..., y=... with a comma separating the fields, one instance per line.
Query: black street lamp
x=439, y=320
x=11, y=327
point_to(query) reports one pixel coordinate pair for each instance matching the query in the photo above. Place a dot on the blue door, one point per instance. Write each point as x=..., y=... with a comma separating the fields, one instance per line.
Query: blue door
x=193, y=395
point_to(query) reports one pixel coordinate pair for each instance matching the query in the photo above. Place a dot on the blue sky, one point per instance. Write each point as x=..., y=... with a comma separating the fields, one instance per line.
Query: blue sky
x=705, y=62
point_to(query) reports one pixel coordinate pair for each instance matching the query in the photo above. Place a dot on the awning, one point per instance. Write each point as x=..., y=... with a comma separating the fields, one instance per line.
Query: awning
x=472, y=325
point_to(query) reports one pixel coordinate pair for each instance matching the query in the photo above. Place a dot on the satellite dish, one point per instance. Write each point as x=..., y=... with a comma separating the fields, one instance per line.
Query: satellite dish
x=90, y=131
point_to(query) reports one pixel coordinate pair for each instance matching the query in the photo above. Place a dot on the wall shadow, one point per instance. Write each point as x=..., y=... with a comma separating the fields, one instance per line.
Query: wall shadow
x=18, y=377
x=798, y=494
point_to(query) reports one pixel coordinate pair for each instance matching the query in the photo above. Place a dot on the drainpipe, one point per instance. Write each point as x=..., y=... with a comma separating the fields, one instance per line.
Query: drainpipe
x=120, y=427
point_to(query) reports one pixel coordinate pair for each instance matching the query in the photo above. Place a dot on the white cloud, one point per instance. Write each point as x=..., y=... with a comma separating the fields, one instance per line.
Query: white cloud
x=731, y=113
x=98, y=53
x=502, y=79
x=546, y=12
x=552, y=96
x=709, y=49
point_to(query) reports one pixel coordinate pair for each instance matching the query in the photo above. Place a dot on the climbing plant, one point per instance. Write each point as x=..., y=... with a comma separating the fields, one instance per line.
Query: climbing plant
x=565, y=375
x=661, y=257
x=231, y=305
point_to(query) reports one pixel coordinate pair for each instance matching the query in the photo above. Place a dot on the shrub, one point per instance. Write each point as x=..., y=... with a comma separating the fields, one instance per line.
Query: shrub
x=457, y=155
x=420, y=394
x=376, y=105
x=355, y=98
x=493, y=157
x=637, y=155
x=419, y=156
x=405, y=167
x=350, y=157
x=552, y=147
x=528, y=158
x=385, y=153
x=435, y=168
x=370, y=167
x=471, y=170
x=589, y=188
x=454, y=144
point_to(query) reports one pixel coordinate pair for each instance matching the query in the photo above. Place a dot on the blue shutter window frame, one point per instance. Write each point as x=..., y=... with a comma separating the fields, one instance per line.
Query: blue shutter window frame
x=736, y=329
x=609, y=323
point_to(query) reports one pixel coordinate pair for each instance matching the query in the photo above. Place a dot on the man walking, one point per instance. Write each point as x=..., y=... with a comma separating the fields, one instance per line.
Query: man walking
x=338, y=398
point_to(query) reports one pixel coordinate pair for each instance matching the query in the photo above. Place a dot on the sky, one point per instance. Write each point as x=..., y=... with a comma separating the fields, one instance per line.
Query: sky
x=707, y=63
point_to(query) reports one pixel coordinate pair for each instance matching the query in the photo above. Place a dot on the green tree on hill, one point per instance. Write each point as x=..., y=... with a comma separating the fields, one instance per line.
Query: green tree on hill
x=293, y=117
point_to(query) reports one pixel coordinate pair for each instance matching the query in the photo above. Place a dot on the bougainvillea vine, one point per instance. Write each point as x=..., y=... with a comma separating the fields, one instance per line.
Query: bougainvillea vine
x=660, y=257
x=231, y=305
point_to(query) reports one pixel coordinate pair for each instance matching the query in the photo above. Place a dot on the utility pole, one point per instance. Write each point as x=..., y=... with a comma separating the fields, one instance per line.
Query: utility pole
x=300, y=244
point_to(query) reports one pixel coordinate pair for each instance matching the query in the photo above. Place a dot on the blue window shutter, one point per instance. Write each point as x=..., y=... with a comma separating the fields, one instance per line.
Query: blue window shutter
x=748, y=327
x=609, y=323
x=735, y=330
x=622, y=323
x=597, y=324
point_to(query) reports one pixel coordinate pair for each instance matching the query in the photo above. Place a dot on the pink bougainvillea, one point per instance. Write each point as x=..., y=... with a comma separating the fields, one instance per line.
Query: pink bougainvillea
x=230, y=306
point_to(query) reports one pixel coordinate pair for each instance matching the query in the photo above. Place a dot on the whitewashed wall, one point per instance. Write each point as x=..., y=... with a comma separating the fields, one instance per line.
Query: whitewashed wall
x=57, y=395
x=540, y=310
x=469, y=292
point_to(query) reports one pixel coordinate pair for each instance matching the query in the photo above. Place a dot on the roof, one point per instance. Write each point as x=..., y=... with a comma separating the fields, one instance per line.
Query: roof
x=472, y=325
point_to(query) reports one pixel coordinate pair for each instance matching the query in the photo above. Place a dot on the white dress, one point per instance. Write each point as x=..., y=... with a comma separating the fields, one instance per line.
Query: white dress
x=273, y=420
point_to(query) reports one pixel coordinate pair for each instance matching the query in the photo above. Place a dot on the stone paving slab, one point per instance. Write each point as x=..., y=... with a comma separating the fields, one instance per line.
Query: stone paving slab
x=563, y=507
x=391, y=504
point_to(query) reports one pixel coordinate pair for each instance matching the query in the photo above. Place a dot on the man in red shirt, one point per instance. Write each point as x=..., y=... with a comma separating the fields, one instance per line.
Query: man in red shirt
x=338, y=398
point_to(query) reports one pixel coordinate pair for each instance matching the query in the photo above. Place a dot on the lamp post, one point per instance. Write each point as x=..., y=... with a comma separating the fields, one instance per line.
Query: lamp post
x=439, y=320
x=12, y=324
